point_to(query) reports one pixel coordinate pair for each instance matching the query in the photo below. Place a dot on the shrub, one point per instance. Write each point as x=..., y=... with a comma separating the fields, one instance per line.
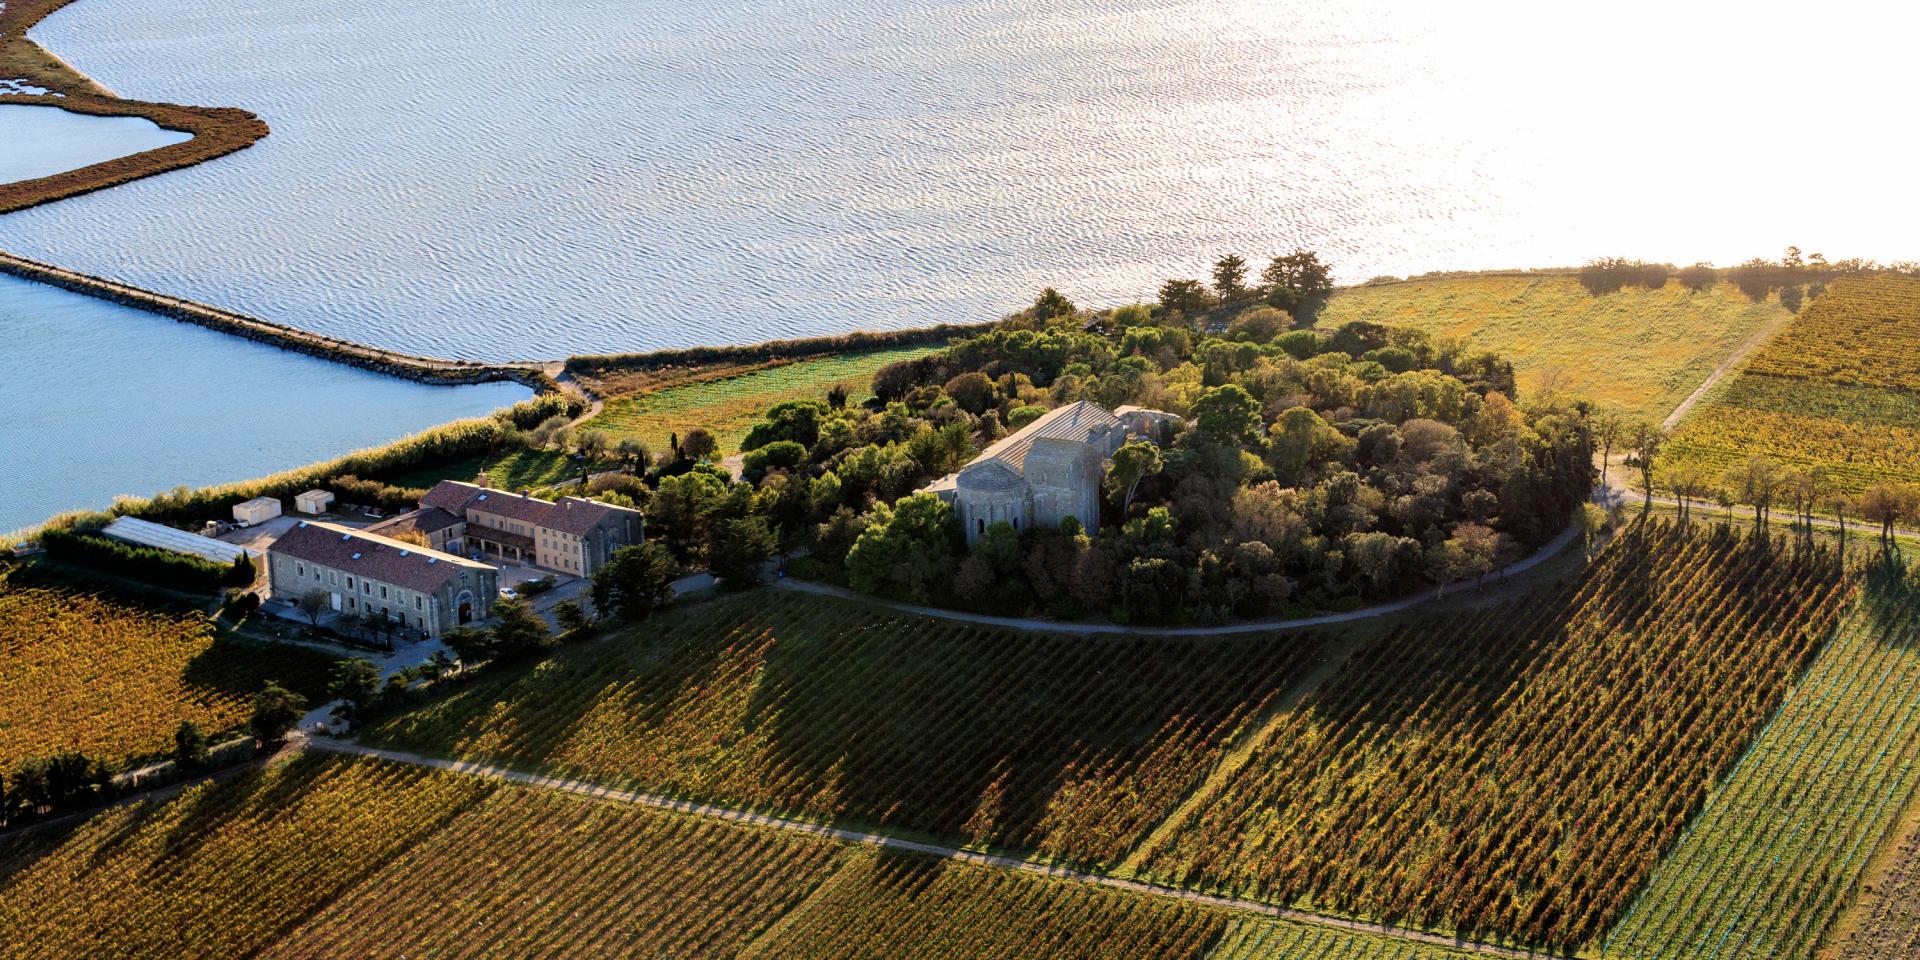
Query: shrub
x=163, y=568
x=1021, y=416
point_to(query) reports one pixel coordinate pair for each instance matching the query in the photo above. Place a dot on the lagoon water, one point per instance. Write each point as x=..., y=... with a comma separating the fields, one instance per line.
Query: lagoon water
x=43, y=141
x=114, y=400
x=521, y=179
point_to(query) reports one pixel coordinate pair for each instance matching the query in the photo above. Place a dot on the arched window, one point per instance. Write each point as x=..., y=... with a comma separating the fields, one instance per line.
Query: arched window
x=982, y=528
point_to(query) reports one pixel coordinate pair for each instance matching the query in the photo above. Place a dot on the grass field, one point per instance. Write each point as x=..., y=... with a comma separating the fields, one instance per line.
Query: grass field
x=517, y=469
x=1781, y=843
x=833, y=710
x=328, y=856
x=729, y=406
x=1838, y=389
x=1635, y=351
x=111, y=675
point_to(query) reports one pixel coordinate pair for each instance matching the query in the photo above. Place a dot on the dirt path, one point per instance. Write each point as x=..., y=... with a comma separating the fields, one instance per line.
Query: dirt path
x=1552, y=548
x=655, y=801
x=1726, y=366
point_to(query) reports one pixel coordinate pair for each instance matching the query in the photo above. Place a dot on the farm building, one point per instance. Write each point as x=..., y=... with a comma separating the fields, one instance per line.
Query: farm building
x=313, y=502
x=146, y=533
x=362, y=574
x=572, y=535
x=257, y=510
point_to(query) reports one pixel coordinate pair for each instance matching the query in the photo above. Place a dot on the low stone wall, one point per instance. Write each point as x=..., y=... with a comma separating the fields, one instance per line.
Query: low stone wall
x=390, y=362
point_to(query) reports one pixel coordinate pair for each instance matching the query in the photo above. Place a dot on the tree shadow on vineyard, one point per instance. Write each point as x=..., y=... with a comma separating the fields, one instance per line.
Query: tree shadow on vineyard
x=235, y=670
x=1889, y=601
x=20, y=850
x=1013, y=739
x=832, y=710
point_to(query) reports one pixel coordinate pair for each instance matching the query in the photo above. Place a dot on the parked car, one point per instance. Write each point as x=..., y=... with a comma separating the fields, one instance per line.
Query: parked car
x=507, y=593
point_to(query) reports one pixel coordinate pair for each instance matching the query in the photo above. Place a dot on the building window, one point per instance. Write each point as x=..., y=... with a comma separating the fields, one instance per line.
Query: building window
x=349, y=603
x=349, y=583
x=416, y=603
x=366, y=588
x=383, y=592
x=300, y=569
x=982, y=528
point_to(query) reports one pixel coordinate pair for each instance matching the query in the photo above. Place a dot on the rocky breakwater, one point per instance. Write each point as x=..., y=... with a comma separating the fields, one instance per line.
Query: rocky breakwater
x=534, y=374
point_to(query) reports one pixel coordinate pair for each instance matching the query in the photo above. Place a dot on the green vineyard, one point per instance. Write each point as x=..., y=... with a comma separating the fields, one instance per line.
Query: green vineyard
x=1864, y=330
x=111, y=675
x=1517, y=774
x=1767, y=864
x=1070, y=746
x=331, y=857
x=1838, y=391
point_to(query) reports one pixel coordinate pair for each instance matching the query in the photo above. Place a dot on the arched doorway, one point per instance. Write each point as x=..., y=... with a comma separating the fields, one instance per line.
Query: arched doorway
x=465, y=605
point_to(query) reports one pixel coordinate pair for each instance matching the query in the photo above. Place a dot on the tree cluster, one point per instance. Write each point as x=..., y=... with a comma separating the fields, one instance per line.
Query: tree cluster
x=1313, y=469
x=1297, y=283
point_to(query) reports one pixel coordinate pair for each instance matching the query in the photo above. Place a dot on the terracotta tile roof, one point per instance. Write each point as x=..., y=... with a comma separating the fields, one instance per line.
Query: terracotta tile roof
x=452, y=496
x=423, y=520
x=571, y=515
x=371, y=555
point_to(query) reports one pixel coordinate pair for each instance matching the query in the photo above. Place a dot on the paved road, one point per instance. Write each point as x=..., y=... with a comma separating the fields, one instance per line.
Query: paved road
x=1552, y=548
x=977, y=858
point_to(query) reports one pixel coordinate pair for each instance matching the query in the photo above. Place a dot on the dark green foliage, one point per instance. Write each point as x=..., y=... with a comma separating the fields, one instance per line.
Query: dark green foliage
x=738, y=549
x=635, y=583
x=778, y=455
x=190, y=750
x=1609, y=274
x=797, y=421
x=162, y=568
x=1299, y=284
x=572, y=617
x=1230, y=279
x=276, y=711
x=1050, y=305
x=860, y=342
x=519, y=632
x=1187, y=297
x=357, y=682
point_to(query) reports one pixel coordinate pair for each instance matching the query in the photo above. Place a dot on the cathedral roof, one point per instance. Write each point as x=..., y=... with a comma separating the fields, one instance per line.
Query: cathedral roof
x=1079, y=422
x=990, y=475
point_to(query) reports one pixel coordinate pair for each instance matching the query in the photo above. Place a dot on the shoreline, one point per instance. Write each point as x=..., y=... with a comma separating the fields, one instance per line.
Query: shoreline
x=214, y=131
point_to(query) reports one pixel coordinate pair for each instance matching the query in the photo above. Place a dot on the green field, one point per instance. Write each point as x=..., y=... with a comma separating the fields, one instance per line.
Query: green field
x=110, y=672
x=1636, y=351
x=1832, y=392
x=516, y=469
x=729, y=406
